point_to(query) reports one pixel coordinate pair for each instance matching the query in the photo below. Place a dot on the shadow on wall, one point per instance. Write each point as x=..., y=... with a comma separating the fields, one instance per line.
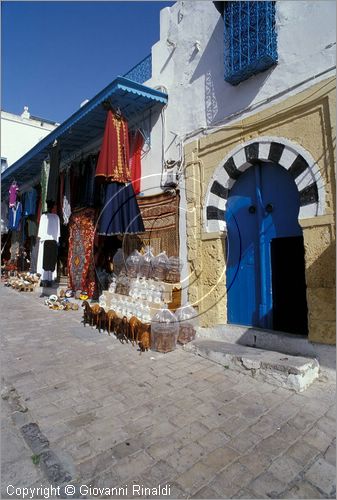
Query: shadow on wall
x=222, y=98
x=321, y=272
x=321, y=286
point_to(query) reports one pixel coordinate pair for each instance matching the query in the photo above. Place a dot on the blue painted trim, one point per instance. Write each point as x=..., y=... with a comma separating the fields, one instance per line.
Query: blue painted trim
x=119, y=84
x=265, y=304
x=142, y=71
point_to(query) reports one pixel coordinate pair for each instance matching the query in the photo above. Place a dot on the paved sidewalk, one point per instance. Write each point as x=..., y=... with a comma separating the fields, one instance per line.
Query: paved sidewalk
x=17, y=467
x=116, y=418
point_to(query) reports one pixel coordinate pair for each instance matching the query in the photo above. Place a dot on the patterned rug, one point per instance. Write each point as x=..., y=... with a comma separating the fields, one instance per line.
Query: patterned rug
x=160, y=214
x=80, y=256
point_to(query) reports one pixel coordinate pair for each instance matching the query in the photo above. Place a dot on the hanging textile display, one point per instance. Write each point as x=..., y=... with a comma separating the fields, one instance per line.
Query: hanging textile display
x=160, y=214
x=60, y=195
x=66, y=207
x=120, y=213
x=53, y=177
x=44, y=183
x=74, y=185
x=49, y=230
x=89, y=181
x=4, y=217
x=84, y=173
x=137, y=142
x=34, y=252
x=49, y=227
x=14, y=216
x=13, y=192
x=81, y=266
x=32, y=227
x=113, y=160
x=29, y=202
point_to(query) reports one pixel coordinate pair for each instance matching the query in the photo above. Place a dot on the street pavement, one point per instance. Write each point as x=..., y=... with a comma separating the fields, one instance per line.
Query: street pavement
x=98, y=415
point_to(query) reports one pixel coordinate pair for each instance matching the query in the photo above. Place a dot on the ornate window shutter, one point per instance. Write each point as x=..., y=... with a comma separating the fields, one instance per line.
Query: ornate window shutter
x=250, y=39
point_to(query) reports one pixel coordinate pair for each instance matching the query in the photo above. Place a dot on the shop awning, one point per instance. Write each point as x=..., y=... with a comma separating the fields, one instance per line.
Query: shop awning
x=86, y=125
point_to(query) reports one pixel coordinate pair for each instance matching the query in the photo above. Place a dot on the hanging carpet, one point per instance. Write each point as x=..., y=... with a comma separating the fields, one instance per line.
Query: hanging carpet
x=160, y=214
x=81, y=267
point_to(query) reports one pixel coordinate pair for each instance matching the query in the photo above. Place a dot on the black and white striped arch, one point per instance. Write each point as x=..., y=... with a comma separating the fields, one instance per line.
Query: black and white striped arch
x=289, y=155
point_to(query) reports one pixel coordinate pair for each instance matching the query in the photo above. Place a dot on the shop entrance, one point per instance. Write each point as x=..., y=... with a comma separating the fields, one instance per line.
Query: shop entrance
x=265, y=253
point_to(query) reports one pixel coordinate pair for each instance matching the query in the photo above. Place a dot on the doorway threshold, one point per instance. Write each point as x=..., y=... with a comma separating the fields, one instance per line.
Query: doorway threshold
x=262, y=338
x=295, y=373
x=276, y=341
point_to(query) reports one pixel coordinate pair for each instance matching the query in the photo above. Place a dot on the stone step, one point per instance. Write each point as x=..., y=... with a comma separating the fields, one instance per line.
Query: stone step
x=272, y=340
x=290, y=372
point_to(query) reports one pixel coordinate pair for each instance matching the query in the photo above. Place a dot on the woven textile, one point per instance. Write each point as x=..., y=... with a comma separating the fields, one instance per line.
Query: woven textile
x=53, y=177
x=120, y=213
x=113, y=160
x=80, y=256
x=136, y=141
x=44, y=183
x=160, y=214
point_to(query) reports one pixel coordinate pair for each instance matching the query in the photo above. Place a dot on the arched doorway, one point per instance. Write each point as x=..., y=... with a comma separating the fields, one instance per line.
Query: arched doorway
x=265, y=271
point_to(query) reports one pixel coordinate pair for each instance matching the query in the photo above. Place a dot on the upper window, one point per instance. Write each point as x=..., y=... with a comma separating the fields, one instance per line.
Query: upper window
x=250, y=39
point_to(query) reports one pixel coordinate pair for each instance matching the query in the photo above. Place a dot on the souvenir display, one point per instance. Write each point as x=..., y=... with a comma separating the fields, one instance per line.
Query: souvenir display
x=187, y=319
x=160, y=266
x=81, y=265
x=13, y=192
x=120, y=212
x=119, y=262
x=122, y=284
x=49, y=234
x=102, y=301
x=23, y=282
x=164, y=331
x=104, y=278
x=173, y=271
x=113, y=285
x=72, y=224
x=58, y=304
x=134, y=264
x=148, y=290
x=145, y=268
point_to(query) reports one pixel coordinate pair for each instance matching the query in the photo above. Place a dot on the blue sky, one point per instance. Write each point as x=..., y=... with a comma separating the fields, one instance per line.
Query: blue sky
x=56, y=54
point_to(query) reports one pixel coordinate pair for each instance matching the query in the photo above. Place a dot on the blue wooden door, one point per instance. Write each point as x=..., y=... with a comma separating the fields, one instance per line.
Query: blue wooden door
x=263, y=205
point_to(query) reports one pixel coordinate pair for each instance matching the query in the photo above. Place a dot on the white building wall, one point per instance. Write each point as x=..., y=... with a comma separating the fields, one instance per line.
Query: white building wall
x=188, y=63
x=20, y=133
x=198, y=95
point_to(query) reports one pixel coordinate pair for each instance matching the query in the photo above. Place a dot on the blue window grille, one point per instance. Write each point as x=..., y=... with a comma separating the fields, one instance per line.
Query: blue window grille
x=250, y=39
x=142, y=71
